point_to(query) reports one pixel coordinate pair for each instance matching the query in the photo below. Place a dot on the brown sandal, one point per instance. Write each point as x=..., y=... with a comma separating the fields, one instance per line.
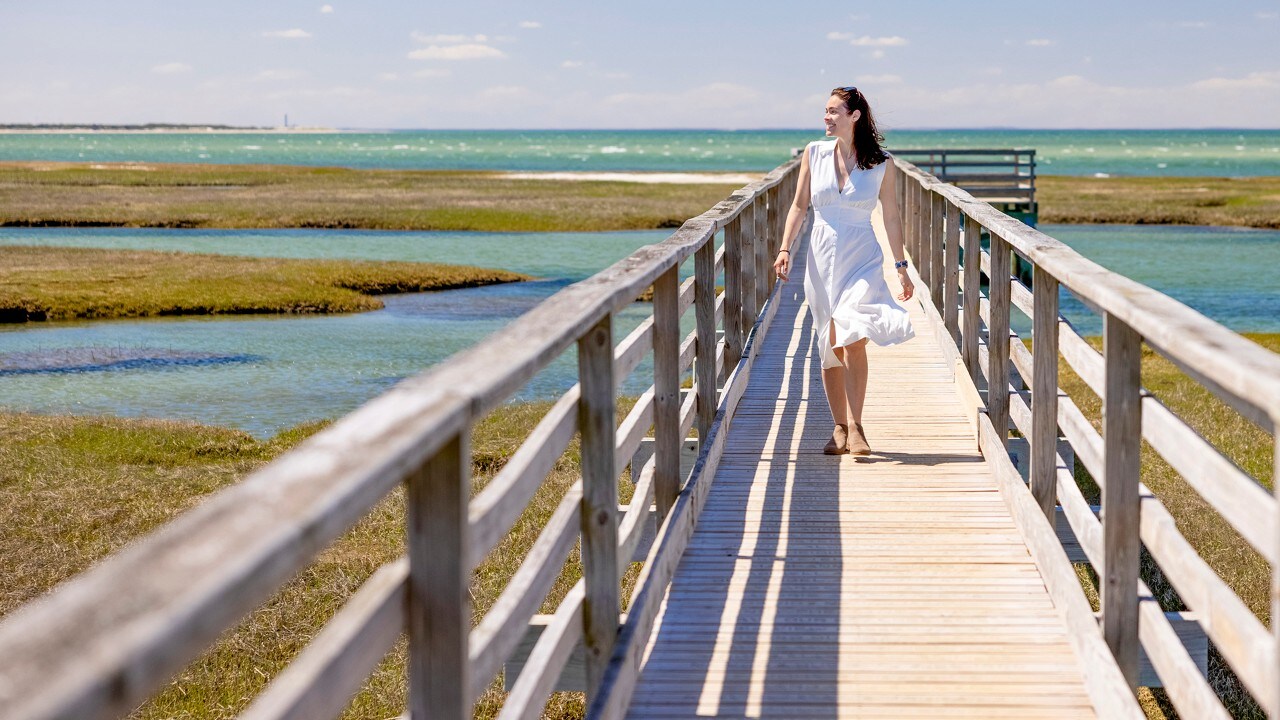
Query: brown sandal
x=857, y=442
x=838, y=443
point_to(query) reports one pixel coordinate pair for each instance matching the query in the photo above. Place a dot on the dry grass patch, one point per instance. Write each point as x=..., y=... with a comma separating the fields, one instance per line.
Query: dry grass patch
x=39, y=283
x=260, y=196
x=73, y=490
x=1245, y=202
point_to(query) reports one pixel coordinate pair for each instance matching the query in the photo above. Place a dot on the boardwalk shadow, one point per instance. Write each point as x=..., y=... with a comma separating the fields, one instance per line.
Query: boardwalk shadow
x=753, y=616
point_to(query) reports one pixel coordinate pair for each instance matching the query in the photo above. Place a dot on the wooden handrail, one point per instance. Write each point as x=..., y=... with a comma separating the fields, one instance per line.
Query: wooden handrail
x=1241, y=373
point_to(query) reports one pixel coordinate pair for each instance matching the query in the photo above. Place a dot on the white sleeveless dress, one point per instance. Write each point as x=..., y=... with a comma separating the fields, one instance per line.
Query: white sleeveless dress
x=844, y=269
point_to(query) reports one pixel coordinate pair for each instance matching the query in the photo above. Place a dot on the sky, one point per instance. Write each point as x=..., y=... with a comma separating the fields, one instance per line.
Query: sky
x=652, y=64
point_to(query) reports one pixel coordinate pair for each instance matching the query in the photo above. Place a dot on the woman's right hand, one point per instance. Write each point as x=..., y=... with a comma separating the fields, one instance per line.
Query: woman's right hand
x=782, y=265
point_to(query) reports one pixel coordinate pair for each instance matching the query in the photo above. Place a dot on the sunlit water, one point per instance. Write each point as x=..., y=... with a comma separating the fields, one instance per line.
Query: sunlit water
x=1215, y=153
x=266, y=373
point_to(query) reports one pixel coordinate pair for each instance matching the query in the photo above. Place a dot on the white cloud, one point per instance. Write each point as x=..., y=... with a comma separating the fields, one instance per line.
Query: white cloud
x=277, y=74
x=530, y=24
x=172, y=68
x=469, y=51
x=292, y=33
x=1252, y=81
x=1040, y=42
x=1267, y=15
x=447, y=39
x=326, y=9
x=1193, y=24
x=878, y=79
x=432, y=73
x=867, y=40
x=388, y=77
x=570, y=64
x=876, y=54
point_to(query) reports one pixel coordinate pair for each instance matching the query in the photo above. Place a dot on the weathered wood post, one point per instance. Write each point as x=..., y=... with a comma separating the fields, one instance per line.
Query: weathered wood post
x=998, y=339
x=666, y=390
x=732, y=294
x=704, y=301
x=760, y=209
x=749, y=239
x=599, y=500
x=1122, y=442
x=950, y=274
x=1044, y=391
x=972, y=297
x=438, y=602
x=937, y=273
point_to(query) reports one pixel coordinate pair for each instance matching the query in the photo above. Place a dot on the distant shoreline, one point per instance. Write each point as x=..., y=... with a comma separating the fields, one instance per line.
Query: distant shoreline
x=157, y=129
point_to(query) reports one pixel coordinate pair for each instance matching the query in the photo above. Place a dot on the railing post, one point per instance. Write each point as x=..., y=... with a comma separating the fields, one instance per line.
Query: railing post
x=704, y=302
x=1044, y=391
x=666, y=390
x=438, y=604
x=924, y=215
x=596, y=418
x=937, y=273
x=972, y=297
x=904, y=200
x=1121, y=437
x=950, y=268
x=749, y=239
x=998, y=339
x=732, y=294
x=774, y=239
x=761, y=212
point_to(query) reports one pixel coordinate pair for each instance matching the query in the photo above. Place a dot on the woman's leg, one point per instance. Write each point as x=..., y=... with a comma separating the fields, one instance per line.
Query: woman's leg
x=854, y=363
x=834, y=383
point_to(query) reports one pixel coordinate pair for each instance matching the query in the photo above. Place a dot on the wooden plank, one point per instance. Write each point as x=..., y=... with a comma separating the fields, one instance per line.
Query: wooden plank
x=705, y=363
x=1044, y=393
x=937, y=220
x=998, y=337
x=762, y=241
x=496, y=508
x=334, y=666
x=733, y=334
x=950, y=274
x=600, y=492
x=505, y=624
x=547, y=659
x=1121, y=435
x=972, y=299
x=750, y=306
x=438, y=605
x=633, y=429
x=666, y=383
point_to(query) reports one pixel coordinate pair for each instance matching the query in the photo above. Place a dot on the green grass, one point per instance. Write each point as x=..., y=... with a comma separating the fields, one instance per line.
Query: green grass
x=74, y=489
x=39, y=283
x=1247, y=202
x=260, y=196
x=1239, y=565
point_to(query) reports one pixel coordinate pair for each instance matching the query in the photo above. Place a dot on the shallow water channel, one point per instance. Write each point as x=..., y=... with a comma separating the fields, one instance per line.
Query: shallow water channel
x=265, y=373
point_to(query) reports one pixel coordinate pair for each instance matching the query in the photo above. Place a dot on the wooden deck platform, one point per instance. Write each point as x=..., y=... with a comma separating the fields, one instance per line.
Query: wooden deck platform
x=828, y=586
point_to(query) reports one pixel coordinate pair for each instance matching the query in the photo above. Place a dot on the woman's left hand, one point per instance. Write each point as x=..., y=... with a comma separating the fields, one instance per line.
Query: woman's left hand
x=908, y=287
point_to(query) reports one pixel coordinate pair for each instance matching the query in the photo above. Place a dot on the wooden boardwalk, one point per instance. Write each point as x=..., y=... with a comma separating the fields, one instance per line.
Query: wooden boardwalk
x=828, y=586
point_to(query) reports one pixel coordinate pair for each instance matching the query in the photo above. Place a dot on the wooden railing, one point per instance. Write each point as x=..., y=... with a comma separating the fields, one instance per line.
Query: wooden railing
x=941, y=223
x=1005, y=178
x=102, y=643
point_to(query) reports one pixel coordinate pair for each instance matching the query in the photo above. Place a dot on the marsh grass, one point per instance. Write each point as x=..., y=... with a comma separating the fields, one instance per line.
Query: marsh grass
x=73, y=490
x=1245, y=202
x=1235, y=561
x=45, y=283
x=263, y=196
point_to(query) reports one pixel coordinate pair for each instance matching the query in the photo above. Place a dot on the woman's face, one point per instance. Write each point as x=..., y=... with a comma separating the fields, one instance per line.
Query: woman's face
x=838, y=118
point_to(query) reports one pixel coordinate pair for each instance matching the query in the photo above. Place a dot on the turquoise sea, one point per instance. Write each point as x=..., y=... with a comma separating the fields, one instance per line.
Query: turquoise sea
x=1229, y=153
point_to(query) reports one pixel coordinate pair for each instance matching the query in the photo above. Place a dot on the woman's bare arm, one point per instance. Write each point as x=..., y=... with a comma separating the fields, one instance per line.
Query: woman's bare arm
x=795, y=218
x=893, y=224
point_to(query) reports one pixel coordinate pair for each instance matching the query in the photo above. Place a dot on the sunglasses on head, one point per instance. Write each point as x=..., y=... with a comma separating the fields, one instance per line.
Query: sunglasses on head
x=850, y=89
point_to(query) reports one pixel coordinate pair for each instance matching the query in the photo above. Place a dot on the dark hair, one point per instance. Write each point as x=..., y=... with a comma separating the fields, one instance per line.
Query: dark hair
x=866, y=138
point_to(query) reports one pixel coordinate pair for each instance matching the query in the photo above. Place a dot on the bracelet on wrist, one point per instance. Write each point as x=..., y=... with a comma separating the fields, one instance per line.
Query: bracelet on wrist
x=900, y=264
x=785, y=251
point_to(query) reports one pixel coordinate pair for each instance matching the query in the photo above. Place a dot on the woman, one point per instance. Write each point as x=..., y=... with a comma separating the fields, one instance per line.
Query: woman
x=844, y=280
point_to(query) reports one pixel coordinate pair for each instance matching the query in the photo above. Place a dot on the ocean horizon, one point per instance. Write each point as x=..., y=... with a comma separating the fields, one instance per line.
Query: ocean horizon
x=1138, y=152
